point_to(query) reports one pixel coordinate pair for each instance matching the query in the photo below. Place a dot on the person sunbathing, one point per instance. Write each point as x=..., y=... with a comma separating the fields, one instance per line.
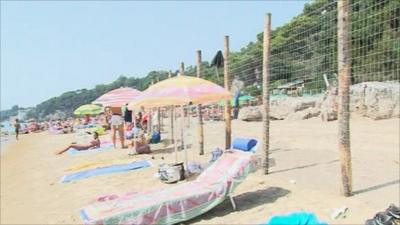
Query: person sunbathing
x=95, y=143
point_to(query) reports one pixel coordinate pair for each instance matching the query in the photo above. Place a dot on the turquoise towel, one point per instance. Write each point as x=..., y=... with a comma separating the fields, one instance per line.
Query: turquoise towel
x=296, y=218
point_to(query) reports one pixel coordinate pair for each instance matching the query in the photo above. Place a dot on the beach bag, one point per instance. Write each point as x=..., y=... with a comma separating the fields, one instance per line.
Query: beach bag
x=155, y=138
x=171, y=173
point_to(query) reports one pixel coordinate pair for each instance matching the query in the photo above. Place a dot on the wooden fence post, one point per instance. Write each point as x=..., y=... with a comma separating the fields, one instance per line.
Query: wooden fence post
x=228, y=128
x=266, y=76
x=159, y=120
x=199, y=112
x=182, y=72
x=344, y=69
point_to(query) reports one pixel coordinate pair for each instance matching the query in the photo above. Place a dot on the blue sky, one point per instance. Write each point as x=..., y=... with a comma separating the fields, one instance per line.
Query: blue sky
x=48, y=47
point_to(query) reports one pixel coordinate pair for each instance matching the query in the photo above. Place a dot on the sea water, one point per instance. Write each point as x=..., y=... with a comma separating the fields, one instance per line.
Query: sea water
x=6, y=128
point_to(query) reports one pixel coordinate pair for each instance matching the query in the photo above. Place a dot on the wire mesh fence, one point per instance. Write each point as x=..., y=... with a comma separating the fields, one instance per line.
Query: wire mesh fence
x=303, y=61
x=303, y=58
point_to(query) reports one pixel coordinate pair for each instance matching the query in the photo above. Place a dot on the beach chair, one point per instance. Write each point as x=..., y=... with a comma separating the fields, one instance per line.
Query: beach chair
x=177, y=203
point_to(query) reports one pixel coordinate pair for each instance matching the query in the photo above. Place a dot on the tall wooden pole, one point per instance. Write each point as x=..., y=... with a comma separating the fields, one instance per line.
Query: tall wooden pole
x=227, y=111
x=344, y=68
x=199, y=113
x=159, y=123
x=266, y=75
x=158, y=120
x=172, y=118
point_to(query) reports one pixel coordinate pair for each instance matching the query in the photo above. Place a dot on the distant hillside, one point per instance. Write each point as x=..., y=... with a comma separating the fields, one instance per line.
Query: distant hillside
x=284, y=62
x=6, y=114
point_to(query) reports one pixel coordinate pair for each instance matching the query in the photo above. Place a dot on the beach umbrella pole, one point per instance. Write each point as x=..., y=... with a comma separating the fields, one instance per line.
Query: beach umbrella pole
x=173, y=120
x=182, y=135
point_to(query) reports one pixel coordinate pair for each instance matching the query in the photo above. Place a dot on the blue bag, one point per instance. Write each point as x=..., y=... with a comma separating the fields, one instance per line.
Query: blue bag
x=244, y=144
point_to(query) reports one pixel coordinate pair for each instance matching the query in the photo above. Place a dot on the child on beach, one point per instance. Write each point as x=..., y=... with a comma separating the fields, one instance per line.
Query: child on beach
x=95, y=143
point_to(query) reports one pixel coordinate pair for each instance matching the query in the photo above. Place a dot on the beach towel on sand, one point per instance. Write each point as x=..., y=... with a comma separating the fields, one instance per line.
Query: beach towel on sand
x=177, y=203
x=102, y=163
x=103, y=146
x=296, y=218
x=104, y=170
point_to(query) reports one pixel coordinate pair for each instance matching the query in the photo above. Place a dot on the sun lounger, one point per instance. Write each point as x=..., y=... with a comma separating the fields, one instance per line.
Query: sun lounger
x=177, y=203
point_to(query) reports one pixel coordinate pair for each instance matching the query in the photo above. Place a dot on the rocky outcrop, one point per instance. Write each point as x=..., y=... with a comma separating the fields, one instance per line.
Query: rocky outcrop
x=251, y=113
x=376, y=100
x=281, y=108
x=329, y=105
x=304, y=114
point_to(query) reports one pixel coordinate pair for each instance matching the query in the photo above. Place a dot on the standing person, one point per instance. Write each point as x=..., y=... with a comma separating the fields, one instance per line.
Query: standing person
x=107, y=118
x=145, y=120
x=127, y=115
x=117, y=124
x=17, y=126
x=138, y=120
x=86, y=119
x=137, y=124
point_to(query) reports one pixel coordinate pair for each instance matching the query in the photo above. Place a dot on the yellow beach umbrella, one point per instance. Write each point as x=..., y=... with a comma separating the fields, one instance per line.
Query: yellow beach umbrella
x=180, y=90
x=89, y=109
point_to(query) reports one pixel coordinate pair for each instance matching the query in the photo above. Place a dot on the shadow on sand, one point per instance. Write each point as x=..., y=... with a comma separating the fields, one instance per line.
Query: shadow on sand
x=243, y=202
x=305, y=166
x=166, y=150
x=376, y=187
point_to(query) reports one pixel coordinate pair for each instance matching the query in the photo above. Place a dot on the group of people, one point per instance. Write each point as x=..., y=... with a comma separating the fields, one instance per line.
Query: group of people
x=62, y=127
x=131, y=130
x=30, y=127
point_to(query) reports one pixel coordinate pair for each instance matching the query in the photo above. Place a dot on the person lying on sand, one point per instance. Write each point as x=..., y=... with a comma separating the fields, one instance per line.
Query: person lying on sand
x=95, y=143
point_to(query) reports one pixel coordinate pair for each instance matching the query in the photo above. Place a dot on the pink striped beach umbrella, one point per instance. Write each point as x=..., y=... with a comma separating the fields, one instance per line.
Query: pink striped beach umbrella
x=117, y=97
x=180, y=90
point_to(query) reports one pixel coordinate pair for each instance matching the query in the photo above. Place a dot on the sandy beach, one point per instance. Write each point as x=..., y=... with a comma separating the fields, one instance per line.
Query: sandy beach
x=305, y=175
